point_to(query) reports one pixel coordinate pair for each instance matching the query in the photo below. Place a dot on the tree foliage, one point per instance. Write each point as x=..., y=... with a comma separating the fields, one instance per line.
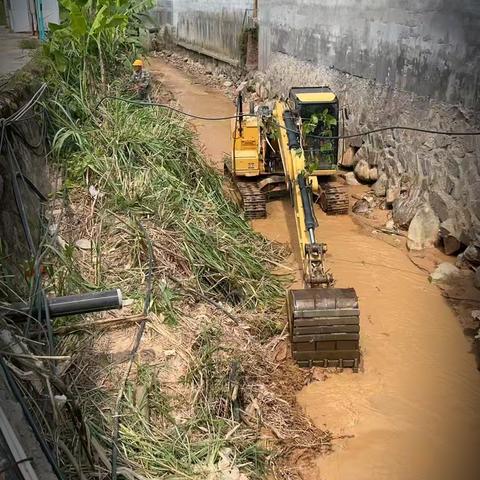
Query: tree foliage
x=95, y=38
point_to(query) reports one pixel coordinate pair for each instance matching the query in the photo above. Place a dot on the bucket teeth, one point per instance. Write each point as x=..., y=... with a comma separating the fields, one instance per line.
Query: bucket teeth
x=324, y=326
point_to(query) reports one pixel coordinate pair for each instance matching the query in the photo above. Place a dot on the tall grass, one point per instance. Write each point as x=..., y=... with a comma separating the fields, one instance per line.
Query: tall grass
x=146, y=164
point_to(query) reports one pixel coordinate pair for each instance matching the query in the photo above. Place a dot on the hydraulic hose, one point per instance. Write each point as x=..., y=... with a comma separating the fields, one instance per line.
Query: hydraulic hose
x=310, y=223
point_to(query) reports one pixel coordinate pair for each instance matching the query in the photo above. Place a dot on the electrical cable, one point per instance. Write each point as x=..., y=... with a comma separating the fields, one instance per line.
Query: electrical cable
x=133, y=352
x=28, y=106
x=337, y=137
x=381, y=129
x=16, y=173
x=33, y=425
x=173, y=109
x=18, y=199
x=14, y=465
x=34, y=147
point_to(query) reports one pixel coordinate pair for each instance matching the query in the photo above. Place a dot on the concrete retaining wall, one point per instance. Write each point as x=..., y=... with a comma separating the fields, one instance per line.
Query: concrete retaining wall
x=392, y=63
x=210, y=27
x=32, y=163
x=162, y=13
x=429, y=47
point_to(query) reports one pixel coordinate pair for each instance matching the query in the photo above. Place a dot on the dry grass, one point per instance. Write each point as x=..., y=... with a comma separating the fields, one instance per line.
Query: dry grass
x=210, y=394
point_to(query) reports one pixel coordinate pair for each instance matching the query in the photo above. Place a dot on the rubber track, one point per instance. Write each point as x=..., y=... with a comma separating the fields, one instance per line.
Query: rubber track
x=334, y=199
x=254, y=202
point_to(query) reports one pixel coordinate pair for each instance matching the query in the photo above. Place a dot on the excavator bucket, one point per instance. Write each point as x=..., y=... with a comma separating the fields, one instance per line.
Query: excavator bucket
x=324, y=327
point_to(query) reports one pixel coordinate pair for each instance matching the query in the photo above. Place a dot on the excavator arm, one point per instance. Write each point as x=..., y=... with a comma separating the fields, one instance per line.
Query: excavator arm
x=301, y=186
x=323, y=321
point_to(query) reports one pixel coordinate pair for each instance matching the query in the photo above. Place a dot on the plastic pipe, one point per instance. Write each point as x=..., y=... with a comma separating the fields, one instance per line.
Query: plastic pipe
x=72, y=304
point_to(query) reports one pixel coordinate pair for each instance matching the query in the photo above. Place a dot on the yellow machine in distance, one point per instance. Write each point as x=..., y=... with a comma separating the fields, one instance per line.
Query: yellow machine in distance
x=293, y=148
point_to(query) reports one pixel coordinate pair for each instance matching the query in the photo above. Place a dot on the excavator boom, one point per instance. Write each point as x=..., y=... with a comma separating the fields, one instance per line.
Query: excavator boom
x=323, y=321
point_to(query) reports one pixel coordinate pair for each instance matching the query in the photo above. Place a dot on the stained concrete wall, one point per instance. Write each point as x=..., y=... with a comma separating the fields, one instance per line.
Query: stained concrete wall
x=211, y=27
x=391, y=62
x=429, y=47
x=162, y=13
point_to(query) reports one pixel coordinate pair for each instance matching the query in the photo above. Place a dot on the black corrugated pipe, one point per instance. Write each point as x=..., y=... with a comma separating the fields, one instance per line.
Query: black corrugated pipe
x=71, y=304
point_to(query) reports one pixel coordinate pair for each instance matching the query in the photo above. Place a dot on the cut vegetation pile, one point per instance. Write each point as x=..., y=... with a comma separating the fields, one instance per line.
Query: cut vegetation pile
x=208, y=393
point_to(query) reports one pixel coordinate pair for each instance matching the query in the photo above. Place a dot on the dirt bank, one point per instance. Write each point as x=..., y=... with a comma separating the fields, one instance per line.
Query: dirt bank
x=413, y=412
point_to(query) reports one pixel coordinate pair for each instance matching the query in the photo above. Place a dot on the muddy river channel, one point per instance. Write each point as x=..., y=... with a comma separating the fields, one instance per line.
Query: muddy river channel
x=413, y=412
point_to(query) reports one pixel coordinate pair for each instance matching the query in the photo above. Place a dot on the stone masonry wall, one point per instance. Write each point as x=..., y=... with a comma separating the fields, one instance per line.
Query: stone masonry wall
x=362, y=51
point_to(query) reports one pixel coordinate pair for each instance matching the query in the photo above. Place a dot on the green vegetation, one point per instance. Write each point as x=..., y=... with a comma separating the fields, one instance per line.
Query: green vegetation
x=319, y=152
x=95, y=37
x=128, y=168
x=145, y=163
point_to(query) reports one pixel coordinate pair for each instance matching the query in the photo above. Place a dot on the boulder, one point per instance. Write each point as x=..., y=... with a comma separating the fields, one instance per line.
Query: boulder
x=362, y=171
x=423, y=230
x=393, y=190
x=350, y=179
x=442, y=204
x=450, y=235
x=472, y=255
x=227, y=84
x=460, y=262
x=361, y=207
x=373, y=174
x=390, y=225
x=476, y=278
x=348, y=158
x=443, y=272
x=404, y=208
x=380, y=186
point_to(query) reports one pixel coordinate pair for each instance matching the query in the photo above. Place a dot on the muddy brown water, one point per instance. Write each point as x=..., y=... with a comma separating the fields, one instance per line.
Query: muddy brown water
x=413, y=412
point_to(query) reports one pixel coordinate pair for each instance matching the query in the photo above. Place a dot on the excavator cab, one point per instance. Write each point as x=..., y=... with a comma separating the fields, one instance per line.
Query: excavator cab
x=316, y=112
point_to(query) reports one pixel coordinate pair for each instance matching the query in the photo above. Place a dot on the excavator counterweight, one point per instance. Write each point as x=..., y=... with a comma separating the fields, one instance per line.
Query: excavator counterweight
x=294, y=147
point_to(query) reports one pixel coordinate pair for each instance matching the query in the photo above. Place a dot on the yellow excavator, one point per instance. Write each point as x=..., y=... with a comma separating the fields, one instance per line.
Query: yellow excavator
x=293, y=147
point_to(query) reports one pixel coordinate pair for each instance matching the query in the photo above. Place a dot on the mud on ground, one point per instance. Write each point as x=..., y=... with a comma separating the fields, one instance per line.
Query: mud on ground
x=412, y=413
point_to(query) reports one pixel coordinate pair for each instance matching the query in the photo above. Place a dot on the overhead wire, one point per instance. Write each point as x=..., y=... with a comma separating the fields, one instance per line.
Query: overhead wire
x=320, y=137
x=173, y=109
x=382, y=129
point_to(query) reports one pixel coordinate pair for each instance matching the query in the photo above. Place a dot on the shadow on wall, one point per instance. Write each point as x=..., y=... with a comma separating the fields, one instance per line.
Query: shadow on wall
x=3, y=16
